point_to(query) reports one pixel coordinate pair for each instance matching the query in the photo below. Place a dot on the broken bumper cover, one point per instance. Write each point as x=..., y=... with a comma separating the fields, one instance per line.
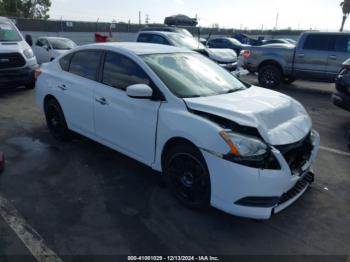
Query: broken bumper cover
x=257, y=193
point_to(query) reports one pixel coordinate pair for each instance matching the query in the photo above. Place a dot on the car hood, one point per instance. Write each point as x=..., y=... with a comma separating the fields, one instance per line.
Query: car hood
x=279, y=119
x=13, y=47
x=222, y=55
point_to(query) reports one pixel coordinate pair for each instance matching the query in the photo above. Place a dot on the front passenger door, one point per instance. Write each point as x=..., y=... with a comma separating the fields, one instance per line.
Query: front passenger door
x=126, y=124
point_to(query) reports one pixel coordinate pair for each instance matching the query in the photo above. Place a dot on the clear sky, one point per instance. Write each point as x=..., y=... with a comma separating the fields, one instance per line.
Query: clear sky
x=253, y=14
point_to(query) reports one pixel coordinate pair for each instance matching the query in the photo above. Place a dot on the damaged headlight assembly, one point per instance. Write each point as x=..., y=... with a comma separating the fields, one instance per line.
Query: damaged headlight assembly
x=248, y=151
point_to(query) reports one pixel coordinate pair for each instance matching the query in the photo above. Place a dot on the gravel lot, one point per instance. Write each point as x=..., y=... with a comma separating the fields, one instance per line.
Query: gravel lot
x=85, y=199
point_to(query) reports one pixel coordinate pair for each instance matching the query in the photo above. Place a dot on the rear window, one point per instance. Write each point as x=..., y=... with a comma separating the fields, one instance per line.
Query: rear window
x=85, y=64
x=317, y=42
x=65, y=61
x=8, y=32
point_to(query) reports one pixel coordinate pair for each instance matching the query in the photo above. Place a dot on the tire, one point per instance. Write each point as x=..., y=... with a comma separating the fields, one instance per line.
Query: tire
x=289, y=80
x=30, y=86
x=270, y=76
x=56, y=121
x=187, y=176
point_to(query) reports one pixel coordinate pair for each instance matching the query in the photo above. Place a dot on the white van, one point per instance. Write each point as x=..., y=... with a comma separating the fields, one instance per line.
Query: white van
x=17, y=60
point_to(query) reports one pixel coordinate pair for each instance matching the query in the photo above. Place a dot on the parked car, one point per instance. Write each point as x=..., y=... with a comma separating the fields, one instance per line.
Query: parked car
x=317, y=56
x=183, y=115
x=47, y=49
x=173, y=29
x=276, y=41
x=17, y=60
x=224, y=57
x=341, y=97
x=227, y=42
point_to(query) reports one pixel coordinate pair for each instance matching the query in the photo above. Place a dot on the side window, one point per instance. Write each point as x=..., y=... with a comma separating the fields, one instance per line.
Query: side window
x=85, y=64
x=65, y=61
x=120, y=72
x=317, y=42
x=40, y=42
x=157, y=39
x=144, y=38
x=342, y=43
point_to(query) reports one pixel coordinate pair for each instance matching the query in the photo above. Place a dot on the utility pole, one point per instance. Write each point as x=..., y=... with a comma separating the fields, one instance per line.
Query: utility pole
x=139, y=17
x=147, y=19
x=277, y=16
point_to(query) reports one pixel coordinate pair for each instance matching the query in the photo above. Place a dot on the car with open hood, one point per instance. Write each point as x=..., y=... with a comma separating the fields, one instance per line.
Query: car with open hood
x=217, y=141
x=48, y=48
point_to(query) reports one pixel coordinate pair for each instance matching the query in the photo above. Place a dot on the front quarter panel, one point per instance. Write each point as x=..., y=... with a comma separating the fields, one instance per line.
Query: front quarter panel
x=175, y=121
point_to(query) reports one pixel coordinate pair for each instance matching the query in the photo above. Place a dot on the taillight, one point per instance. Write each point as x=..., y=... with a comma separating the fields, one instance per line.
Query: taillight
x=245, y=53
x=37, y=73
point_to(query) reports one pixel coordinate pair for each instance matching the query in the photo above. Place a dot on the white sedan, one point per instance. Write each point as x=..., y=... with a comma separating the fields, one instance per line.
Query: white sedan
x=47, y=49
x=242, y=149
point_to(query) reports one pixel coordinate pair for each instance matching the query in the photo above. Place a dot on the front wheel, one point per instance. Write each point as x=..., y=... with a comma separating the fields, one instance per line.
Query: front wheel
x=188, y=176
x=270, y=76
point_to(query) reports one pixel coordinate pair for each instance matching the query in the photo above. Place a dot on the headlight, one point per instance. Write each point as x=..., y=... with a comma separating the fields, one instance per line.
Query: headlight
x=244, y=146
x=28, y=53
x=249, y=151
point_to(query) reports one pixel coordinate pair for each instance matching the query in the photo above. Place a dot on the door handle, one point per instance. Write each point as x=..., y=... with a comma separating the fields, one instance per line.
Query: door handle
x=301, y=55
x=333, y=57
x=63, y=87
x=102, y=101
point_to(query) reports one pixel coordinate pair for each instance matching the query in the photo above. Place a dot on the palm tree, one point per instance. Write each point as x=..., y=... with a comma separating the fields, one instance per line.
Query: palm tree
x=346, y=10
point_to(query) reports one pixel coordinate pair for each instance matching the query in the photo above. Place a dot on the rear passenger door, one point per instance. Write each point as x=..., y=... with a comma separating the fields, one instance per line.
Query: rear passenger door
x=340, y=51
x=311, y=56
x=75, y=89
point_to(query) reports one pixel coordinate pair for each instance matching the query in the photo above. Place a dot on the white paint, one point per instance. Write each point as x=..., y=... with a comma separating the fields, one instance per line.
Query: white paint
x=28, y=235
x=335, y=151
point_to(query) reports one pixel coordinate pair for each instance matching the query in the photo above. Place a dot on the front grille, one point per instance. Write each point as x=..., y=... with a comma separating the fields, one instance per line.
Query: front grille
x=297, y=154
x=299, y=187
x=11, y=60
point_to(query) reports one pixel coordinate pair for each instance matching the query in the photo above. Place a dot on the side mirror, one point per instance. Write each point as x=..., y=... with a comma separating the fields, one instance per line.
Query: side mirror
x=29, y=40
x=139, y=91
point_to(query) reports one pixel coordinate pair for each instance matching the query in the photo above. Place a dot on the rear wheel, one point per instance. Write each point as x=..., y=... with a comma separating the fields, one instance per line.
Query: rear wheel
x=188, y=176
x=56, y=121
x=270, y=76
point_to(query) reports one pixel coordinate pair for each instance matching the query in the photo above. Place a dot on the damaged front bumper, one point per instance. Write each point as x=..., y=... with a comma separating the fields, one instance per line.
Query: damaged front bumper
x=259, y=193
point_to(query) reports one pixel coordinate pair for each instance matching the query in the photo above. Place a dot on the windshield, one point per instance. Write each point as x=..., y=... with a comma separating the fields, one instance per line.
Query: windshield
x=186, y=41
x=192, y=75
x=185, y=32
x=62, y=44
x=8, y=32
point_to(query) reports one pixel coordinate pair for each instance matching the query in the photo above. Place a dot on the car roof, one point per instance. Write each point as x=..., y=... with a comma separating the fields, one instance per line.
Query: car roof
x=165, y=33
x=138, y=48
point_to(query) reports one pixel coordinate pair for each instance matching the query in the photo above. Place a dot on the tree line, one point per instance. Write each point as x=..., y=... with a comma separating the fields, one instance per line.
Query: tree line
x=38, y=9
